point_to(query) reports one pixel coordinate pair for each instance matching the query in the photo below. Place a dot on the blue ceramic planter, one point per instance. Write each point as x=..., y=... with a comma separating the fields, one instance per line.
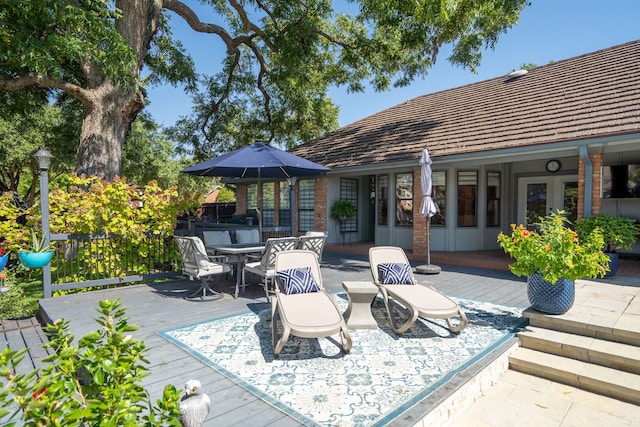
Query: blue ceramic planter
x=548, y=297
x=3, y=261
x=614, y=263
x=35, y=259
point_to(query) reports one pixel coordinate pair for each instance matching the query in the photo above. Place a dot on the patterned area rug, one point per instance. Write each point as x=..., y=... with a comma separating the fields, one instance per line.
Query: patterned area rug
x=317, y=384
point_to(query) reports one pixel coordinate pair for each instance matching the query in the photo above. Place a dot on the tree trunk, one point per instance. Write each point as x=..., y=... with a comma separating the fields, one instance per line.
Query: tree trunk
x=110, y=109
x=104, y=128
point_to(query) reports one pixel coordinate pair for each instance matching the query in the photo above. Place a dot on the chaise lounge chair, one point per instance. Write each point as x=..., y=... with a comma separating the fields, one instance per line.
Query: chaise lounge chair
x=392, y=274
x=303, y=306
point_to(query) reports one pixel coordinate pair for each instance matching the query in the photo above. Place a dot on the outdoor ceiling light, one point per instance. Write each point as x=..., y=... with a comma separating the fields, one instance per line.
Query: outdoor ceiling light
x=44, y=159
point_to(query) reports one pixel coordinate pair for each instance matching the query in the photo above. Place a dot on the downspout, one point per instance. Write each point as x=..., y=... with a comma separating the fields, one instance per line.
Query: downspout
x=588, y=180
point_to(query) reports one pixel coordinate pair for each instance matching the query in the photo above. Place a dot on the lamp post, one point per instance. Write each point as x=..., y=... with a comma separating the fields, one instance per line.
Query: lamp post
x=44, y=162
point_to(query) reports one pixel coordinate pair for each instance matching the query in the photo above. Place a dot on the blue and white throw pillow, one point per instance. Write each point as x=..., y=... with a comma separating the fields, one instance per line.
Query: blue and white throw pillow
x=394, y=273
x=298, y=281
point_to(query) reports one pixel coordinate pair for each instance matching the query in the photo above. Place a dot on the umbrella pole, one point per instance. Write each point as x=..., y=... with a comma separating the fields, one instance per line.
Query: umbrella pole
x=428, y=268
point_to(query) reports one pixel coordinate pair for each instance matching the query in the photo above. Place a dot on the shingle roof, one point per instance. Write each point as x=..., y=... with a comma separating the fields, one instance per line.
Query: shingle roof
x=588, y=96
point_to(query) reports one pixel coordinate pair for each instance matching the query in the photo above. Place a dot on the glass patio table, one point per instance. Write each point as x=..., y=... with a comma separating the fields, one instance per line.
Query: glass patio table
x=240, y=253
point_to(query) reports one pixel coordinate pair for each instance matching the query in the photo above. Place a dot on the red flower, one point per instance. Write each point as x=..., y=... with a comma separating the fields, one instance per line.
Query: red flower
x=1, y=251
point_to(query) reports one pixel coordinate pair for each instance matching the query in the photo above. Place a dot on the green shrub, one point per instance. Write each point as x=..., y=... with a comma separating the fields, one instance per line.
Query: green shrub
x=97, y=383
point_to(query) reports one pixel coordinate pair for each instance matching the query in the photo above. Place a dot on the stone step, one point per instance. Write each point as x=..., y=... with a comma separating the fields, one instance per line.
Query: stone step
x=587, y=376
x=623, y=329
x=624, y=357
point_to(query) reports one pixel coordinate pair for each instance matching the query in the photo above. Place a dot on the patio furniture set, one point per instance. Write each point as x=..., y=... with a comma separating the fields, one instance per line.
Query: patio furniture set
x=290, y=270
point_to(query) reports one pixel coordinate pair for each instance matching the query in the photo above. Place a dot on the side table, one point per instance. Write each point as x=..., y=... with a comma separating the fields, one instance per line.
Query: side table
x=358, y=315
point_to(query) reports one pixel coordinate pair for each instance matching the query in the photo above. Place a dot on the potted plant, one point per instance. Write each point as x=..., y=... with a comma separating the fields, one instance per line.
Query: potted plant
x=552, y=258
x=343, y=210
x=4, y=258
x=39, y=253
x=617, y=232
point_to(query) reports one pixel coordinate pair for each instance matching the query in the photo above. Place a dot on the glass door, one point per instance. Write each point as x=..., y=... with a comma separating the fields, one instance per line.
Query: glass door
x=537, y=196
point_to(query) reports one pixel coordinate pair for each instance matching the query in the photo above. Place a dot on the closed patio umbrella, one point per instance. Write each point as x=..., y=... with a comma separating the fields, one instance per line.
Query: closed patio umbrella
x=428, y=208
x=259, y=161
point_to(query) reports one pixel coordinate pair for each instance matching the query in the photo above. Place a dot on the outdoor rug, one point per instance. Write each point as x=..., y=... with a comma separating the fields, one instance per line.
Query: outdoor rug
x=317, y=384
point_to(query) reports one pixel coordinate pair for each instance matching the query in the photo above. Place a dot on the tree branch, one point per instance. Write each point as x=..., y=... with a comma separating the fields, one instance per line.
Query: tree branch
x=39, y=80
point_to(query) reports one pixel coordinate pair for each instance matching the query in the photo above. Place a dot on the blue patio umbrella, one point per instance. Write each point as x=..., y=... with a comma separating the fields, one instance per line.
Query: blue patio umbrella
x=259, y=161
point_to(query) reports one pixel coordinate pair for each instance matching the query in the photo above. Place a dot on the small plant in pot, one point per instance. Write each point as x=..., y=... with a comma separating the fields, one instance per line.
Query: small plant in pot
x=38, y=254
x=617, y=233
x=343, y=210
x=552, y=258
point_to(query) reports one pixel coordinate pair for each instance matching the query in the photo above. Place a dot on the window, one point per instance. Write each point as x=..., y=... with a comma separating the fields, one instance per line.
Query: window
x=284, y=215
x=306, y=204
x=467, y=198
x=349, y=191
x=268, y=204
x=383, y=200
x=439, y=189
x=252, y=196
x=493, y=199
x=404, y=199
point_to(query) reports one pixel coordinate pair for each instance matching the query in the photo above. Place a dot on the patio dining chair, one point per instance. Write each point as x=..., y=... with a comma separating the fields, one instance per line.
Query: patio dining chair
x=301, y=304
x=248, y=236
x=394, y=277
x=265, y=267
x=314, y=243
x=198, y=265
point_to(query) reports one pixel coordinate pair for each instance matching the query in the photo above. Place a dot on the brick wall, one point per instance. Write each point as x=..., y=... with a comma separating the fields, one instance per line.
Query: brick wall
x=320, y=198
x=596, y=201
x=419, y=223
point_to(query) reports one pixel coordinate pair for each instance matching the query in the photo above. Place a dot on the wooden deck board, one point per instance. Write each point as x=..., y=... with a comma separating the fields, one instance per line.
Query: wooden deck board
x=159, y=307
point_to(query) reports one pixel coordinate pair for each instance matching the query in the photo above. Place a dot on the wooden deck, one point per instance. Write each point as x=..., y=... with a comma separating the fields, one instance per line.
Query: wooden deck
x=160, y=307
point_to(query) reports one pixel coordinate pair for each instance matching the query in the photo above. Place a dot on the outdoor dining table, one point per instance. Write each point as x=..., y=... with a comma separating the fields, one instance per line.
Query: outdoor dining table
x=240, y=252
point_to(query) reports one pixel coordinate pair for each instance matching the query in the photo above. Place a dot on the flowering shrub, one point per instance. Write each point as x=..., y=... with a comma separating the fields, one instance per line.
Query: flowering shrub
x=555, y=250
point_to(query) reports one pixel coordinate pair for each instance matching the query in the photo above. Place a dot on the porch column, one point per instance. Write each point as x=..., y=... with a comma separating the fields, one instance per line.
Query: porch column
x=419, y=222
x=320, y=200
x=596, y=201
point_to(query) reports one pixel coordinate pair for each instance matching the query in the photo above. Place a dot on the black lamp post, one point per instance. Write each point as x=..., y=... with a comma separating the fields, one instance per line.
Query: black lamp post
x=44, y=162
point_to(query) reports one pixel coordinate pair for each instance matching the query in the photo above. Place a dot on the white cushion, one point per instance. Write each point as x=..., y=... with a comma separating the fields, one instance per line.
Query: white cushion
x=248, y=236
x=216, y=237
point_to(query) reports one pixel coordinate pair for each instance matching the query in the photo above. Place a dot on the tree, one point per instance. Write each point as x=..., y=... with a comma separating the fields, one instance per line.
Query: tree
x=278, y=58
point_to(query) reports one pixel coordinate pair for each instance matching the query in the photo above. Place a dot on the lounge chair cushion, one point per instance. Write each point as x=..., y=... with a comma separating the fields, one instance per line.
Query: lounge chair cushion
x=394, y=273
x=297, y=281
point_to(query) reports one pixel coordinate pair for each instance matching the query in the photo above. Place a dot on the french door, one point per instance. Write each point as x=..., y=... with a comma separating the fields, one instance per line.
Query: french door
x=537, y=196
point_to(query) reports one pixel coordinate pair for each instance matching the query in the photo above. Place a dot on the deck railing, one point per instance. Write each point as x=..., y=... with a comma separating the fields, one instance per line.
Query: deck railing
x=95, y=260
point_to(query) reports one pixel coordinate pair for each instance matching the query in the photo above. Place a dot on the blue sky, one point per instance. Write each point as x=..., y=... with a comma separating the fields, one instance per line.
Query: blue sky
x=549, y=30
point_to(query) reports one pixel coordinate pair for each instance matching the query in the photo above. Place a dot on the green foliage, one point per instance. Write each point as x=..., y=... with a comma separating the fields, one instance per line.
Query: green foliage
x=343, y=209
x=555, y=250
x=280, y=60
x=617, y=232
x=56, y=37
x=38, y=244
x=97, y=382
x=13, y=303
x=12, y=231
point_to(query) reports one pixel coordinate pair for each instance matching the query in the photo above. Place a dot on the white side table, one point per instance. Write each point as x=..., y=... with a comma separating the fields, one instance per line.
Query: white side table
x=358, y=314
